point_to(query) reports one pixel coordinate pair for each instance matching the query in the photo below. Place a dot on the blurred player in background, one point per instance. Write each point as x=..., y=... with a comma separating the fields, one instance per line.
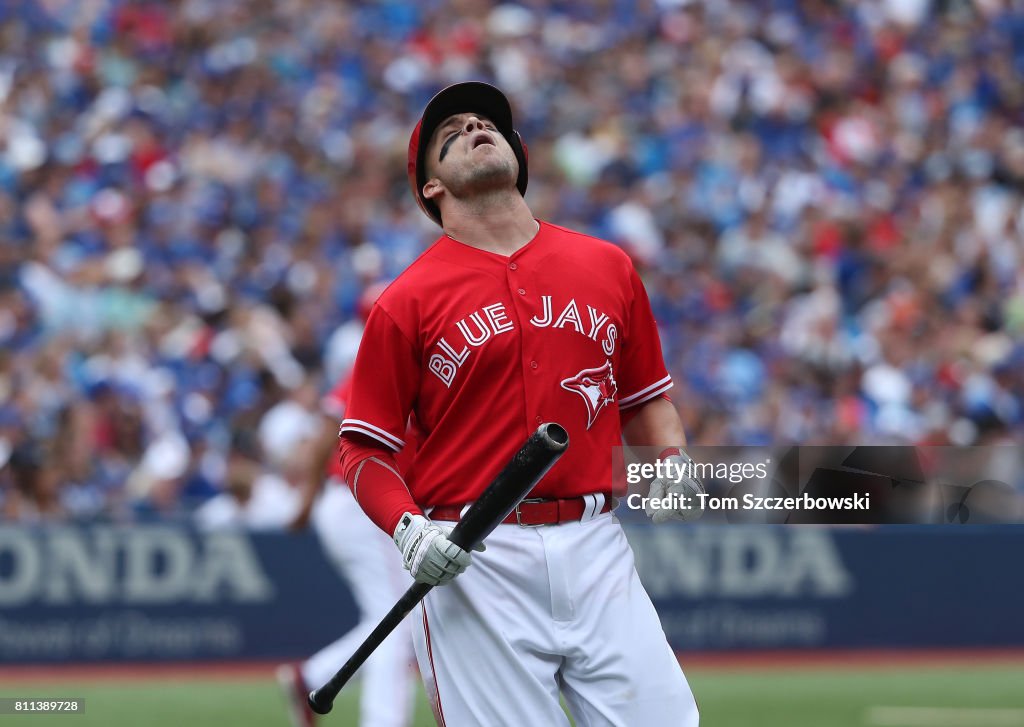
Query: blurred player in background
x=369, y=564
x=506, y=322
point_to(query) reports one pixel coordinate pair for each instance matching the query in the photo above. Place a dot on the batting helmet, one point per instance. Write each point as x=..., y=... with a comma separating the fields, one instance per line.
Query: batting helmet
x=472, y=96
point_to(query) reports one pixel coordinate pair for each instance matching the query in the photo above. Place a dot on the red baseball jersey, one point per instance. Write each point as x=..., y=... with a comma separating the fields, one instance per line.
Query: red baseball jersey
x=481, y=348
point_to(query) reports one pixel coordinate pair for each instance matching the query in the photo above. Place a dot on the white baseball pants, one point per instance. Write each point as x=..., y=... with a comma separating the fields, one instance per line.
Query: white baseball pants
x=556, y=608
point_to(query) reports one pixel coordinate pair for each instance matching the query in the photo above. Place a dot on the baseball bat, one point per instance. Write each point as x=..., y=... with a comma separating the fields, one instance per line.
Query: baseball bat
x=527, y=466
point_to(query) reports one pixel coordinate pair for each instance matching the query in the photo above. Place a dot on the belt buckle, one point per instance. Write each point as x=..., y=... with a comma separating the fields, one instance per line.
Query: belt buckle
x=519, y=516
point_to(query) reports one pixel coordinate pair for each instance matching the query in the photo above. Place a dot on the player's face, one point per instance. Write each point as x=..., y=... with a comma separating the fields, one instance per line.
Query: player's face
x=468, y=155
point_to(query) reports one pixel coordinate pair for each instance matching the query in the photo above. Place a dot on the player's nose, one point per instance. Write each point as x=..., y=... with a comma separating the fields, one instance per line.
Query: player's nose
x=473, y=124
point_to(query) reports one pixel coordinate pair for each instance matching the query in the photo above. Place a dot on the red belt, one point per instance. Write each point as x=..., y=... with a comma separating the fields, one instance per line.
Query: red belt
x=540, y=511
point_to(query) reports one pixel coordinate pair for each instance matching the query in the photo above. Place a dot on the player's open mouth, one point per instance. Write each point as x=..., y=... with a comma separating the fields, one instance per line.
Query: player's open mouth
x=480, y=139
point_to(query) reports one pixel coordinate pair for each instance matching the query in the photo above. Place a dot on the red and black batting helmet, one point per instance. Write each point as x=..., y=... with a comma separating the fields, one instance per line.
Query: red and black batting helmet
x=474, y=97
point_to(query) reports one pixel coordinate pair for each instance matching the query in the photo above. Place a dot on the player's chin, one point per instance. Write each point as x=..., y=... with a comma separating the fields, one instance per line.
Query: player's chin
x=491, y=174
x=491, y=164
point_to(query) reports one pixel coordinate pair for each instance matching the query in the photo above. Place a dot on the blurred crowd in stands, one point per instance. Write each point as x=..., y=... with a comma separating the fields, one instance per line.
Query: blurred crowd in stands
x=824, y=197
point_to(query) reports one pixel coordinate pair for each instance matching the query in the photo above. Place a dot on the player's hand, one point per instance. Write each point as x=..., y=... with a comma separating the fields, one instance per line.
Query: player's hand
x=677, y=491
x=427, y=552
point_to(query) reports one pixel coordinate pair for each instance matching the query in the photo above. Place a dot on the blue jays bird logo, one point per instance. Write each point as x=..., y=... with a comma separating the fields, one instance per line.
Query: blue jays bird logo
x=596, y=387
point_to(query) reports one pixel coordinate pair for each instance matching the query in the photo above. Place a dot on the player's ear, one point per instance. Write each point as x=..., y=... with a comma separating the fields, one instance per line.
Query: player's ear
x=433, y=188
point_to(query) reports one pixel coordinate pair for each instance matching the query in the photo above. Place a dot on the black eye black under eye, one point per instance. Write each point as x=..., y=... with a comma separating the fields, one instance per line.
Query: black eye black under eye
x=447, y=143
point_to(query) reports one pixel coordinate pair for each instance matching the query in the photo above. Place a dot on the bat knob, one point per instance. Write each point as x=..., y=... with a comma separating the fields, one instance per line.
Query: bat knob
x=320, y=706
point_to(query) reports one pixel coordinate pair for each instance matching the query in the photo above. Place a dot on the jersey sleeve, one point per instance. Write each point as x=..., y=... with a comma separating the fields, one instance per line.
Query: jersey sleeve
x=384, y=378
x=642, y=372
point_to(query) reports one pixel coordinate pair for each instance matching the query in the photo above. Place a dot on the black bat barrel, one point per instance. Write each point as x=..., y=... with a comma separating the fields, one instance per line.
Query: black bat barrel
x=526, y=468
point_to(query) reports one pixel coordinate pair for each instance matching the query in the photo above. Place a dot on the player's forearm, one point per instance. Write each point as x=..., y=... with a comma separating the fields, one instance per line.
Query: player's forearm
x=655, y=424
x=325, y=447
x=373, y=477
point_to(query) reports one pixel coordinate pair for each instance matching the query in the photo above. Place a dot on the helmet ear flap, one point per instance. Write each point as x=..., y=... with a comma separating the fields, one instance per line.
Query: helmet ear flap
x=417, y=176
x=523, y=157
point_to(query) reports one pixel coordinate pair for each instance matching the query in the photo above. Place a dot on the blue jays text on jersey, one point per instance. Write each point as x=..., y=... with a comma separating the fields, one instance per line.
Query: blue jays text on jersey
x=478, y=327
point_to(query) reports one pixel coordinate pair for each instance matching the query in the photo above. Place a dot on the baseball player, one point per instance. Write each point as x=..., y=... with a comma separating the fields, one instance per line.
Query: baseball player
x=503, y=323
x=373, y=571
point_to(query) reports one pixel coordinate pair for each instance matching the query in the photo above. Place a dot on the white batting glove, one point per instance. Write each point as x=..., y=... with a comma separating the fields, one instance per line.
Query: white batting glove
x=427, y=552
x=676, y=492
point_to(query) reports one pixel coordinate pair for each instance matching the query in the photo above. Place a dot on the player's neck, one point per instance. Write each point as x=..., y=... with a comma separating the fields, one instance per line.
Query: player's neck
x=499, y=228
